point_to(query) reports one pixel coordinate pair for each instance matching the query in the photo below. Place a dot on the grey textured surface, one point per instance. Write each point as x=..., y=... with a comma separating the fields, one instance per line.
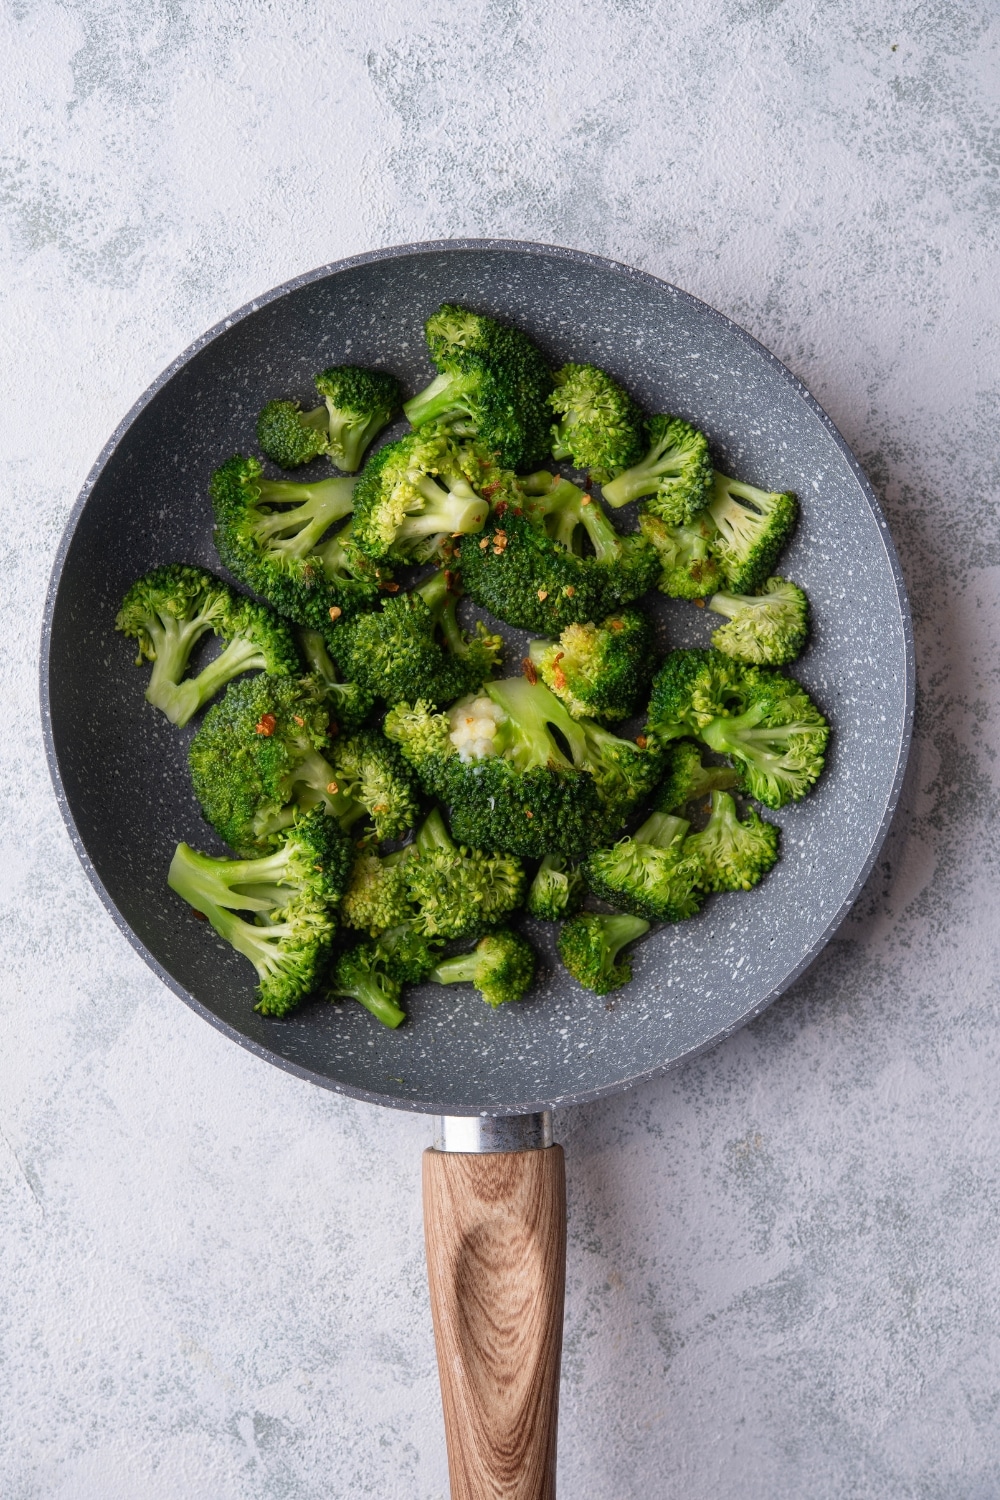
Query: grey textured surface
x=692, y=983
x=782, y=1274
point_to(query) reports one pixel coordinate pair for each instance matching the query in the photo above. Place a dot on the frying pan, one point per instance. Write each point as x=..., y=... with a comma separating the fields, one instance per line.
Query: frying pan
x=493, y=1184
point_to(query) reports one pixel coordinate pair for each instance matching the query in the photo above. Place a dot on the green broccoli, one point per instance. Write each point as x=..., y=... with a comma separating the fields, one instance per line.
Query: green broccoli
x=688, y=567
x=529, y=569
x=589, y=945
x=415, y=493
x=169, y=610
x=598, y=670
x=650, y=873
x=363, y=973
x=501, y=966
x=693, y=686
x=753, y=527
x=357, y=404
x=599, y=426
x=291, y=896
x=269, y=533
x=675, y=474
x=556, y=891
x=263, y=753
x=492, y=381
x=777, y=741
x=688, y=779
x=457, y=892
x=770, y=628
x=414, y=647
x=349, y=702
x=376, y=897
x=733, y=855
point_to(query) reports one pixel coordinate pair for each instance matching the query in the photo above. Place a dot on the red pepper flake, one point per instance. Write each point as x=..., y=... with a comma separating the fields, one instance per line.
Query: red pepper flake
x=266, y=725
x=491, y=489
x=699, y=603
x=528, y=668
x=380, y=807
x=199, y=914
x=389, y=588
x=641, y=741
x=543, y=594
x=558, y=658
x=332, y=788
x=484, y=544
x=500, y=507
x=569, y=590
x=528, y=813
x=297, y=720
x=558, y=679
x=584, y=499
x=335, y=611
x=499, y=542
x=617, y=624
x=449, y=579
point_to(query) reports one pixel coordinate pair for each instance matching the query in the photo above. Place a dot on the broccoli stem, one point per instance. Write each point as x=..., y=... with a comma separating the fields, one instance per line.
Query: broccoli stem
x=351, y=438
x=461, y=969
x=732, y=605
x=444, y=393
x=181, y=701
x=532, y=711
x=644, y=477
x=433, y=834
x=377, y=994
x=213, y=887
x=620, y=929
x=315, y=507
x=566, y=507
x=661, y=830
x=442, y=600
x=458, y=509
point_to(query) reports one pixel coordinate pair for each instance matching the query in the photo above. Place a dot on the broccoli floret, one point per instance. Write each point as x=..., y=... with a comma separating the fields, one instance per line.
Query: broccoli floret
x=556, y=891
x=501, y=966
x=599, y=426
x=589, y=945
x=357, y=404
x=350, y=703
x=770, y=628
x=492, y=381
x=675, y=474
x=291, y=897
x=269, y=534
x=290, y=436
x=413, y=494
x=733, y=855
x=777, y=741
x=458, y=891
x=753, y=527
x=414, y=647
x=169, y=610
x=693, y=686
x=528, y=567
x=263, y=753
x=598, y=670
x=376, y=895
x=688, y=779
x=364, y=973
x=688, y=567
x=650, y=873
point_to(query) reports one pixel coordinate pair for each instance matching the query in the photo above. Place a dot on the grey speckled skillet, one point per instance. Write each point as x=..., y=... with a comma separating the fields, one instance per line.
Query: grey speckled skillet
x=494, y=1232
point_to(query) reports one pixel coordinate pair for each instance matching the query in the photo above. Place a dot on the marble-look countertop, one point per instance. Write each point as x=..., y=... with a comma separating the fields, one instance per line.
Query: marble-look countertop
x=783, y=1275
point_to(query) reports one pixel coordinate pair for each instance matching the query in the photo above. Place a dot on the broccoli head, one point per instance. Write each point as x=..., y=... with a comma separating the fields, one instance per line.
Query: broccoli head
x=364, y=973
x=501, y=966
x=492, y=381
x=688, y=779
x=168, y=611
x=777, y=740
x=415, y=493
x=376, y=895
x=589, y=945
x=414, y=647
x=456, y=891
x=290, y=436
x=688, y=567
x=733, y=855
x=529, y=566
x=270, y=535
x=556, y=891
x=675, y=475
x=599, y=427
x=598, y=670
x=290, y=896
x=357, y=404
x=349, y=702
x=753, y=526
x=693, y=687
x=769, y=628
x=264, y=753
x=650, y=873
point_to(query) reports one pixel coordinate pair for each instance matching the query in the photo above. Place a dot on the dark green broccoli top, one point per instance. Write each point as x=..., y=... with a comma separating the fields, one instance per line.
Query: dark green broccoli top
x=599, y=427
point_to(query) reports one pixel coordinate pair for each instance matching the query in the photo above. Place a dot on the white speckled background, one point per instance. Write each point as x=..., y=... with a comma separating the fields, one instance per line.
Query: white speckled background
x=783, y=1277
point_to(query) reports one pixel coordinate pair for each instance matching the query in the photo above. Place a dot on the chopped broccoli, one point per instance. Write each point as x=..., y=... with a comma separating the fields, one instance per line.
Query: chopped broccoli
x=599, y=426
x=414, y=647
x=528, y=567
x=598, y=670
x=413, y=494
x=350, y=703
x=694, y=686
x=501, y=966
x=457, y=891
x=733, y=855
x=589, y=945
x=688, y=779
x=291, y=895
x=376, y=895
x=363, y=973
x=651, y=873
x=777, y=741
x=357, y=404
x=675, y=474
x=169, y=610
x=556, y=891
x=263, y=753
x=269, y=533
x=688, y=567
x=290, y=436
x=753, y=527
x=769, y=628
x=492, y=381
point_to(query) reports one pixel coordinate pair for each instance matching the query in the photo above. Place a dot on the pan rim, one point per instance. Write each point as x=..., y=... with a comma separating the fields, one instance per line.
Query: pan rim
x=434, y=247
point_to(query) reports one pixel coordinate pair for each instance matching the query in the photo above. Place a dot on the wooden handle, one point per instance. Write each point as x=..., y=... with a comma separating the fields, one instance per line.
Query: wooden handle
x=495, y=1227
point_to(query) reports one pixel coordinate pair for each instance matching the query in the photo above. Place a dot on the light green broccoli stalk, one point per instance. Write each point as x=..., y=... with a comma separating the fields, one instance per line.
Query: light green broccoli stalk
x=733, y=855
x=675, y=474
x=589, y=945
x=753, y=527
x=688, y=779
x=501, y=966
x=769, y=628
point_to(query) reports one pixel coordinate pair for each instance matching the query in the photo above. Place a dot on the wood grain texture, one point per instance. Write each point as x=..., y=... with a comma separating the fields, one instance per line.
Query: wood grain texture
x=495, y=1227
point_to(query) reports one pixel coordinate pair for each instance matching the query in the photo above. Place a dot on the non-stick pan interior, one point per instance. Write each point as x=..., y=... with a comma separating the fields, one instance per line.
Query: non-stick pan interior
x=121, y=770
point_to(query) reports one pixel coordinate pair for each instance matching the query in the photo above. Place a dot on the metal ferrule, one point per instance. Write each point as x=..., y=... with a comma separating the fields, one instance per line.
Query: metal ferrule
x=485, y=1133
